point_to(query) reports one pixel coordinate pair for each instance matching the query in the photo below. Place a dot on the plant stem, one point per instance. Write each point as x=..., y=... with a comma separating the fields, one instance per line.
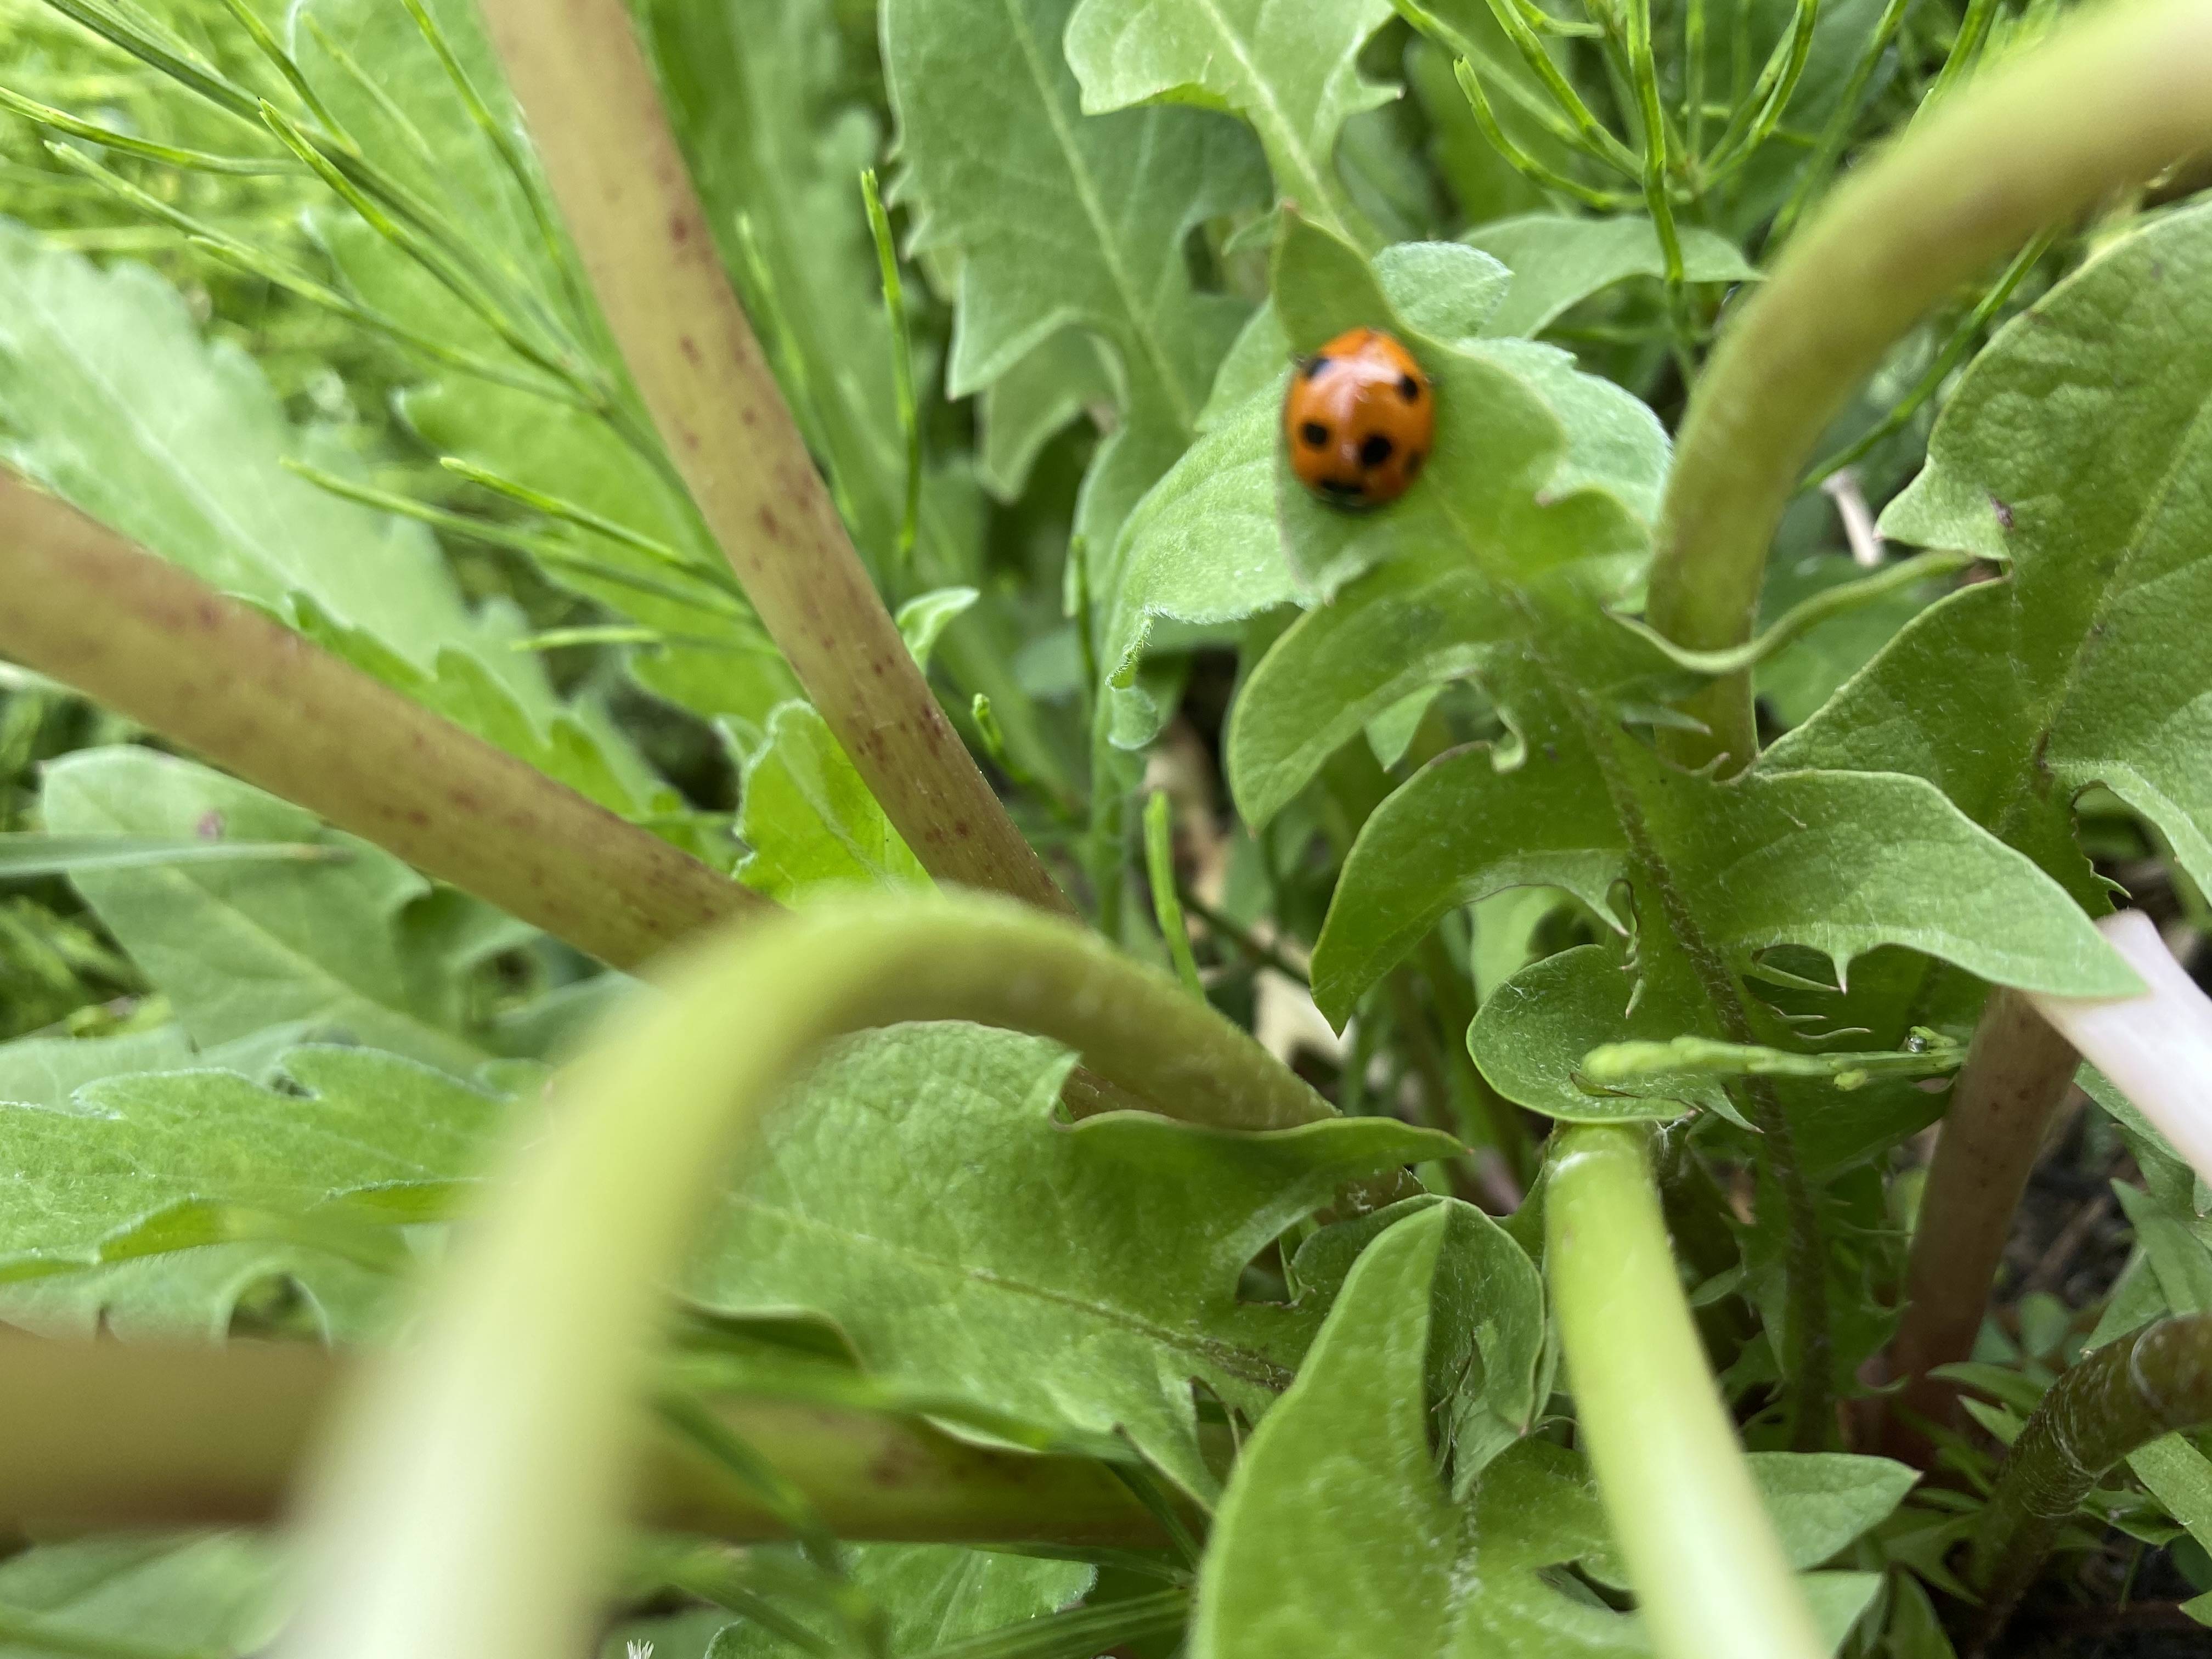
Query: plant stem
x=139, y=1435
x=143, y=637
x=2109, y=100
x=2119, y=1398
x=1709, y=1573
x=2017, y=1075
x=576, y=69
x=506, y=1421
x=1167, y=906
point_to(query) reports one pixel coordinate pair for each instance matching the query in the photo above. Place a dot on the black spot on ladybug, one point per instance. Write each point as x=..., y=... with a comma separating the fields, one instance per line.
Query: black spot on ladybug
x=1314, y=433
x=1349, y=489
x=1409, y=388
x=1314, y=366
x=1376, y=449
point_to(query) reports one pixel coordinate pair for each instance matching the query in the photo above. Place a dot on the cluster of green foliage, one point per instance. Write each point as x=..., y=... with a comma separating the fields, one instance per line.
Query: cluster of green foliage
x=285, y=301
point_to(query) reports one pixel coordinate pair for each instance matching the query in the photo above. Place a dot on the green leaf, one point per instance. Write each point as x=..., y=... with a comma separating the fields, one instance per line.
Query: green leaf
x=241, y=947
x=919, y=1193
x=1399, y=1568
x=932, y=1596
x=1402, y=1569
x=924, y=618
x=1819, y=1501
x=1207, y=546
x=1839, y=862
x=2180, y=1476
x=809, y=818
x=109, y=397
x=2070, y=447
x=1500, y=565
x=1489, y=1372
x=27, y=853
x=370, y=64
x=158, y=1201
x=1558, y=261
x=989, y=113
x=579, y=745
x=174, y=1595
x=1291, y=71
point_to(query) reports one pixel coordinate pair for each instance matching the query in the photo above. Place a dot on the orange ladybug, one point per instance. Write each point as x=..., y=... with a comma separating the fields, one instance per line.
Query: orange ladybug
x=1359, y=418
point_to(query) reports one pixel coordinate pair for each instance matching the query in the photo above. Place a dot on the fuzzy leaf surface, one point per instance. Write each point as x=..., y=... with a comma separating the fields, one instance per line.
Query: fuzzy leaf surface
x=989, y=112
x=1558, y=260
x=931, y=1596
x=1289, y=67
x=1402, y=1568
x=2079, y=448
x=919, y=1193
x=371, y=66
x=1499, y=567
x=809, y=820
x=340, y=949
x=157, y=1189
x=202, y=1594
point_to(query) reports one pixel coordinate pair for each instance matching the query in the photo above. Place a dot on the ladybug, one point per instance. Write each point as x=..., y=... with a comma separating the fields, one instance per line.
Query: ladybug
x=1359, y=418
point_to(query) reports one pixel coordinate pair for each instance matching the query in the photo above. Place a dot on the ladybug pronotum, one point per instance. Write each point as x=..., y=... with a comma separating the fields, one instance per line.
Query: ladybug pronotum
x=1359, y=418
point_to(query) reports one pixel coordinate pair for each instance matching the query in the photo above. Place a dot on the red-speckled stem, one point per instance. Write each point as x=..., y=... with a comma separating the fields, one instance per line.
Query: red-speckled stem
x=577, y=69
x=82, y=605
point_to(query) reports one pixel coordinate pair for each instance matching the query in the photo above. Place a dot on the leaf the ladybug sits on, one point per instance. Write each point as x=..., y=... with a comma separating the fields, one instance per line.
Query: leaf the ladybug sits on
x=1360, y=419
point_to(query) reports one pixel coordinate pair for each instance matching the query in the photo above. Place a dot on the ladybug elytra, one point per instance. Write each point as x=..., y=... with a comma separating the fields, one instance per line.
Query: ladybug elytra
x=1359, y=418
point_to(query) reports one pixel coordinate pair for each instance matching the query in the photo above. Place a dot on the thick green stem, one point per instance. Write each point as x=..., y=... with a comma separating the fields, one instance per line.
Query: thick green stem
x=470, y=1506
x=1702, y=1556
x=86, y=606
x=2017, y=1075
x=132, y=1435
x=2106, y=102
x=2116, y=1401
x=577, y=71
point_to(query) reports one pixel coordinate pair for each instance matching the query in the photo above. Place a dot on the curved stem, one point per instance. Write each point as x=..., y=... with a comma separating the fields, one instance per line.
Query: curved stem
x=576, y=69
x=86, y=606
x=469, y=1507
x=2116, y=1401
x=1708, y=1570
x=110, y=1434
x=2017, y=1075
x=2105, y=102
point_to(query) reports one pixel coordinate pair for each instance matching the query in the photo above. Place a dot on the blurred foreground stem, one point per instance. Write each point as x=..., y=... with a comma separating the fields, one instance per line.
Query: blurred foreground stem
x=1708, y=1571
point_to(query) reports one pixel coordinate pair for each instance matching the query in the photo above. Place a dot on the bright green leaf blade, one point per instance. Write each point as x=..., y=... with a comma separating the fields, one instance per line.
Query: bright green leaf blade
x=28, y=852
x=109, y=396
x=921, y=1196
x=931, y=1596
x=1840, y=862
x=195, y=1187
x=1558, y=261
x=175, y=1595
x=1399, y=1568
x=2074, y=447
x=809, y=820
x=1290, y=70
x=240, y=947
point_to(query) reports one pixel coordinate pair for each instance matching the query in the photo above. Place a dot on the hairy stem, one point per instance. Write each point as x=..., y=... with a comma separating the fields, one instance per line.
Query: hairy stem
x=151, y=1435
x=2107, y=101
x=577, y=71
x=88, y=608
x=1708, y=1571
x=507, y=1421
x=2015, y=1078
x=2118, y=1399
